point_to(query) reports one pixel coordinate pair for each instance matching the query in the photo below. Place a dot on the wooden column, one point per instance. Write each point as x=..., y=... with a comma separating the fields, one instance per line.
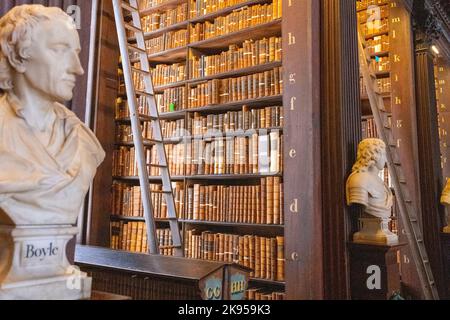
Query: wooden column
x=341, y=133
x=105, y=96
x=429, y=156
x=404, y=120
x=302, y=184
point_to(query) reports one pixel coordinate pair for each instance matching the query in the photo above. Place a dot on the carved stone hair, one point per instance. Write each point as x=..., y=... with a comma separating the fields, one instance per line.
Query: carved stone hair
x=16, y=37
x=368, y=150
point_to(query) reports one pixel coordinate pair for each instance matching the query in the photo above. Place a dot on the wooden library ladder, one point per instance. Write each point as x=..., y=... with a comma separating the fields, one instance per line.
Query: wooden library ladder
x=127, y=51
x=408, y=212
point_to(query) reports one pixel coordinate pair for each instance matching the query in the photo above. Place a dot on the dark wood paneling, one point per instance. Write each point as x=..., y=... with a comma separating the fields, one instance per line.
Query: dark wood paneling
x=429, y=157
x=341, y=133
x=104, y=97
x=302, y=182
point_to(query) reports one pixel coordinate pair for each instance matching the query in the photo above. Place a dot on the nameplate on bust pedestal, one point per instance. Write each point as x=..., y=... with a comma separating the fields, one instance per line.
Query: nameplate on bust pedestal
x=41, y=253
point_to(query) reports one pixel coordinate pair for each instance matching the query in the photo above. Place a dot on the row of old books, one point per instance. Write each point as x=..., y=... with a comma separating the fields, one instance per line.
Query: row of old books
x=199, y=8
x=254, y=86
x=375, y=26
x=378, y=44
x=364, y=4
x=170, y=129
x=169, y=40
x=132, y=236
x=369, y=128
x=384, y=86
x=255, y=154
x=145, y=4
x=250, y=53
x=127, y=200
x=252, y=204
x=124, y=160
x=264, y=255
x=122, y=111
x=173, y=99
x=235, y=121
x=373, y=14
x=164, y=74
x=381, y=64
x=164, y=19
x=237, y=20
x=259, y=153
x=263, y=294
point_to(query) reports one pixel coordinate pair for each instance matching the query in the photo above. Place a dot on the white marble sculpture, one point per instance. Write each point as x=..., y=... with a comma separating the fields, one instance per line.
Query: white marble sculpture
x=48, y=157
x=366, y=188
x=445, y=200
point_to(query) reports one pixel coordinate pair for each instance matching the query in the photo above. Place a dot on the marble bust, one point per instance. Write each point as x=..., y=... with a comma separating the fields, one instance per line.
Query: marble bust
x=445, y=200
x=48, y=157
x=365, y=188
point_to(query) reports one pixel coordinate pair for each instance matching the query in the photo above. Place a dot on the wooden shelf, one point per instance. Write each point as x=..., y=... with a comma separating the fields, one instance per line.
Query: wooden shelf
x=236, y=106
x=377, y=34
x=128, y=119
x=239, y=72
x=268, y=282
x=230, y=106
x=385, y=95
x=168, y=56
x=380, y=54
x=161, y=31
x=150, y=179
x=236, y=133
x=231, y=176
x=232, y=224
x=266, y=30
x=225, y=11
x=125, y=218
x=161, y=7
x=160, y=89
x=149, y=143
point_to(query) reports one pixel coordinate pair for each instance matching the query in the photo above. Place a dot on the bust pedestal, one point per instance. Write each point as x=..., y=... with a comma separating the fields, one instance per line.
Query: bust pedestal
x=374, y=271
x=375, y=231
x=34, y=266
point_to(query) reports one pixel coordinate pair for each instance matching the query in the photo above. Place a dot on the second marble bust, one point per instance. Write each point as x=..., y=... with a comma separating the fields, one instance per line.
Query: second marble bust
x=366, y=188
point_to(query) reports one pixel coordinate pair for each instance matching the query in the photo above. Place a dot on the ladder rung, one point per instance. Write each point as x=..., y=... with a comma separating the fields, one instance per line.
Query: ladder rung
x=136, y=49
x=132, y=28
x=143, y=93
x=161, y=191
x=128, y=7
x=145, y=73
x=156, y=165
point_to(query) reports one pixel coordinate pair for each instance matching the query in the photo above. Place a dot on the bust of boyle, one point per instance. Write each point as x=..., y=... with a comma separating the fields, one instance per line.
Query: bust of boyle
x=366, y=189
x=48, y=157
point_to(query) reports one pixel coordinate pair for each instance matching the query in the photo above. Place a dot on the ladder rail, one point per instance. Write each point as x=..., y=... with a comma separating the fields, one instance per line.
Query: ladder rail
x=156, y=128
x=148, y=90
x=136, y=129
x=408, y=217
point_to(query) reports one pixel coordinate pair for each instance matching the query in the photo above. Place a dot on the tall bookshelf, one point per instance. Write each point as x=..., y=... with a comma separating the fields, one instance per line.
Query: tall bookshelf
x=217, y=71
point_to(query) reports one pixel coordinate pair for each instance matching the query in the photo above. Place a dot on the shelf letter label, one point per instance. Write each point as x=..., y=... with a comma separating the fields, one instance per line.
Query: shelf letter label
x=294, y=206
x=293, y=100
x=292, y=153
x=294, y=256
x=399, y=124
x=396, y=58
x=291, y=39
x=398, y=101
x=292, y=78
